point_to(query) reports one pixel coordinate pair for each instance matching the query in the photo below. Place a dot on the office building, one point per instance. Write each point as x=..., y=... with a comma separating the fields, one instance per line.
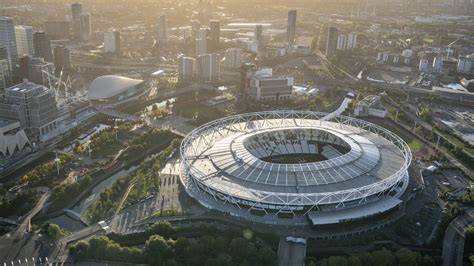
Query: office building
x=8, y=40
x=62, y=58
x=215, y=34
x=112, y=42
x=332, y=40
x=438, y=64
x=57, y=29
x=186, y=68
x=33, y=105
x=5, y=75
x=341, y=42
x=233, y=58
x=201, y=47
x=208, y=67
x=162, y=29
x=352, y=40
x=423, y=65
x=202, y=33
x=86, y=27
x=76, y=10
x=258, y=34
x=247, y=71
x=465, y=64
x=291, y=29
x=36, y=70
x=266, y=87
x=42, y=46
x=24, y=40
x=396, y=59
x=195, y=26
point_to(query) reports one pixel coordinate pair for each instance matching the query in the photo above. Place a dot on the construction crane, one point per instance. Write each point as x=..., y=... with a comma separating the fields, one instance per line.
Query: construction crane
x=449, y=50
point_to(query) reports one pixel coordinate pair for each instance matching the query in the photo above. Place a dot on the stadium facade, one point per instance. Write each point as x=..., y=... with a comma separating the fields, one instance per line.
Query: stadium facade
x=295, y=167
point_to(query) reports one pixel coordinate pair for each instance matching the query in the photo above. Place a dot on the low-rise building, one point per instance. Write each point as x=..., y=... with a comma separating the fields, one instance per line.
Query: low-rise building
x=370, y=106
x=12, y=137
x=266, y=87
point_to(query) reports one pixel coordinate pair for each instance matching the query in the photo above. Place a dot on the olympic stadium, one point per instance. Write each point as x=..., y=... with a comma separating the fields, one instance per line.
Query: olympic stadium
x=295, y=167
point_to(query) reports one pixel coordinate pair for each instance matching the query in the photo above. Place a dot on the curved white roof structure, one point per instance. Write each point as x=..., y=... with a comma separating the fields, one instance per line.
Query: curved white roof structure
x=109, y=86
x=293, y=161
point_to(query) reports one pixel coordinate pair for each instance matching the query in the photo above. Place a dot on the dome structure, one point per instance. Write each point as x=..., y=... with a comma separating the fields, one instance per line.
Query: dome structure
x=112, y=87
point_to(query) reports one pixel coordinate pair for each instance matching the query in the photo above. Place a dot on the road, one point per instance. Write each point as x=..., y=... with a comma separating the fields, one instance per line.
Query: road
x=11, y=244
x=453, y=242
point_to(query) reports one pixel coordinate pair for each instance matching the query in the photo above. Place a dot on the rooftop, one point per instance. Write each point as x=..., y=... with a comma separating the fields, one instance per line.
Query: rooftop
x=109, y=86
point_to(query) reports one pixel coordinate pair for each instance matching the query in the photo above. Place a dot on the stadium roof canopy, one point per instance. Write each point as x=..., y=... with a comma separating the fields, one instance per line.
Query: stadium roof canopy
x=109, y=86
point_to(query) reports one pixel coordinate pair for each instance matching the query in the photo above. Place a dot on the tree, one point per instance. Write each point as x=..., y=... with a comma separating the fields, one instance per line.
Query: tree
x=382, y=258
x=54, y=231
x=157, y=250
x=98, y=246
x=266, y=256
x=337, y=261
x=405, y=257
x=354, y=261
x=162, y=228
x=180, y=246
x=80, y=250
x=241, y=248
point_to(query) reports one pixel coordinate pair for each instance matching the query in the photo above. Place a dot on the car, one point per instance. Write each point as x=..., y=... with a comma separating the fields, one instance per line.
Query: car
x=446, y=183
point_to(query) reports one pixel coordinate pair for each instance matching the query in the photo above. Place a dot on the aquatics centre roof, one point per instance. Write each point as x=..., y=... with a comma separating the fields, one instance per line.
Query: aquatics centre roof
x=108, y=86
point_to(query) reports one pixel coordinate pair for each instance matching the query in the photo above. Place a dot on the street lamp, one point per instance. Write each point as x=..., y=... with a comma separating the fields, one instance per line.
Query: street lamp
x=116, y=129
x=89, y=148
x=57, y=160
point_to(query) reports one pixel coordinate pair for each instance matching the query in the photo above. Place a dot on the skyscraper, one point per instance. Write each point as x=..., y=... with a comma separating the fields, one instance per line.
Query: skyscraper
x=185, y=68
x=257, y=34
x=291, y=28
x=57, y=29
x=233, y=58
x=24, y=40
x=112, y=42
x=86, y=27
x=331, y=41
x=466, y=64
x=208, y=67
x=62, y=58
x=201, y=46
x=341, y=42
x=163, y=29
x=215, y=35
x=8, y=40
x=42, y=46
x=36, y=70
x=76, y=10
x=5, y=74
x=352, y=40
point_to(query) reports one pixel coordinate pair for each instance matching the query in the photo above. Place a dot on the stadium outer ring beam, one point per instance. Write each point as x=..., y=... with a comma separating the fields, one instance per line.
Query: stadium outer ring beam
x=314, y=199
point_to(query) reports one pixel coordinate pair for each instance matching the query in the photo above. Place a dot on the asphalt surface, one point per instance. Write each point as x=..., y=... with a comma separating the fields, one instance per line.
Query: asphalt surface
x=290, y=253
x=453, y=242
x=12, y=245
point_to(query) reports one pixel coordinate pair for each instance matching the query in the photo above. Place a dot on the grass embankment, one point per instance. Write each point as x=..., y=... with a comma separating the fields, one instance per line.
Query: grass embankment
x=145, y=182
